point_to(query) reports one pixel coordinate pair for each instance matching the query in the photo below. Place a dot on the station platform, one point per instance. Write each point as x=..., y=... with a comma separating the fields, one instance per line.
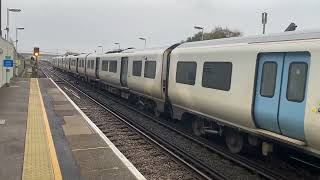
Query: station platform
x=45, y=136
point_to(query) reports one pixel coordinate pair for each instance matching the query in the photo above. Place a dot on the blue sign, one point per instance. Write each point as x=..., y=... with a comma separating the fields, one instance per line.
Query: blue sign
x=8, y=63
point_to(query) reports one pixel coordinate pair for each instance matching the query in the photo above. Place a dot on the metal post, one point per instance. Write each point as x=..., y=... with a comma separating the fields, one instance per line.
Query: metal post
x=202, y=31
x=202, y=35
x=17, y=39
x=37, y=67
x=7, y=24
x=0, y=18
x=264, y=21
x=145, y=41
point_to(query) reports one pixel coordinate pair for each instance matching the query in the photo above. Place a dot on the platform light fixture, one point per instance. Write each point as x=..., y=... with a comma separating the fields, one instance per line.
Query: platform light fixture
x=145, y=41
x=200, y=28
x=101, y=49
x=117, y=44
x=8, y=14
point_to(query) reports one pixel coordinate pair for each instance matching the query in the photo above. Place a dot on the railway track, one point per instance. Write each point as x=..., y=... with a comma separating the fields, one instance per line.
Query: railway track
x=107, y=125
x=241, y=168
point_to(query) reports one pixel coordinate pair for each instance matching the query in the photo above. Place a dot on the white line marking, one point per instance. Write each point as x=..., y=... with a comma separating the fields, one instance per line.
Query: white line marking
x=90, y=149
x=127, y=163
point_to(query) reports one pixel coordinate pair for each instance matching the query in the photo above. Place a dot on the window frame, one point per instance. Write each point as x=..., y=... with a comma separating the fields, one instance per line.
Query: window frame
x=92, y=64
x=107, y=62
x=155, y=69
x=88, y=65
x=218, y=62
x=195, y=78
x=116, y=69
x=137, y=61
x=305, y=82
x=275, y=80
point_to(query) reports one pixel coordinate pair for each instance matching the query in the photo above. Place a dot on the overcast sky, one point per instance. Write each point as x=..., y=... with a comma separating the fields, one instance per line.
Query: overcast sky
x=82, y=25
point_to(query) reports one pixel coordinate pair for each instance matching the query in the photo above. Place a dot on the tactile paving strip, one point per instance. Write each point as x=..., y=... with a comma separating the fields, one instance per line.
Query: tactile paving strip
x=40, y=161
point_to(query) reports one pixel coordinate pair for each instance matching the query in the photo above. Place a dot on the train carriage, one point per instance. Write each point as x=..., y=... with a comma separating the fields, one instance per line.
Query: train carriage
x=92, y=67
x=73, y=63
x=110, y=70
x=81, y=66
x=261, y=89
x=263, y=86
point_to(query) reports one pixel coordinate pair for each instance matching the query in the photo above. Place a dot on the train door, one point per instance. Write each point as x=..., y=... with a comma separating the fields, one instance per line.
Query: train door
x=124, y=71
x=77, y=64
x=280, y=93
x=97, y=67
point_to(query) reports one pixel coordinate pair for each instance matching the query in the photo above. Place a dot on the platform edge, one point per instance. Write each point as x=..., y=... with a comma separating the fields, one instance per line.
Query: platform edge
x=124, y=160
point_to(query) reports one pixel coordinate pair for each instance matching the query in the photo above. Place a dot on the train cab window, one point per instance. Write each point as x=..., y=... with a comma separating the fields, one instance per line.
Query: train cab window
x=217, y=75
x=297, y=81
x=104, y=66
x=268, y=79
x=92, y=64
x=186, y=72
x=150, y=69
x=136, y=68
x=113, y=66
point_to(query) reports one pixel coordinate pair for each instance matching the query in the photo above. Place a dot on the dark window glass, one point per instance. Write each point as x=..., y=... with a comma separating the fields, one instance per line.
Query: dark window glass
x=136, y=68
x=268, y=79
x=88, y=65
x=186, y=72
x=217, y=75
x=92, y=64
x=113, y=66
x=150, y=69
x=104, y=66
x=297, y=81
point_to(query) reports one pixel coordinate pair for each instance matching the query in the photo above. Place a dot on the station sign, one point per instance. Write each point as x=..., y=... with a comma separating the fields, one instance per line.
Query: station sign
x=8, y=62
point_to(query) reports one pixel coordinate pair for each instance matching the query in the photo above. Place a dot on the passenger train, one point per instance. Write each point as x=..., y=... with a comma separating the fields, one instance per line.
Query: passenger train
x=258, y=90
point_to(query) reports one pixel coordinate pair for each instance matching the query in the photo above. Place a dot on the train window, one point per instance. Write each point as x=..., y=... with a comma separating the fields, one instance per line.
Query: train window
x=104, y=66
x=297, y=81
x=92, y=64
x=150, y=69
x=217, y=75
x=186, y=72
x=113, y=66
x=88, y=65
x=136, y=68
x=268, y=79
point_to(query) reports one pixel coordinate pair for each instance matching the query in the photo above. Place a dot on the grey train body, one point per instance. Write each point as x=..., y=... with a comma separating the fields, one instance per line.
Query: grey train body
x=264, y=88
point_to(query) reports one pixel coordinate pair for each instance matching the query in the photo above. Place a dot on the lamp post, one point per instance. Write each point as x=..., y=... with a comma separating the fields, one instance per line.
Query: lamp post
x=101, y=49
x=264, y=22
x=145, y=41
x=200, y=28
x=17, y=29
x=8, y=11
x=117, y=44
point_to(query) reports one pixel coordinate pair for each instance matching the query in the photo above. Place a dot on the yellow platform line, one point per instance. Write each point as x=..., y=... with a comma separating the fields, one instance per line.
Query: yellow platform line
x=40, y=158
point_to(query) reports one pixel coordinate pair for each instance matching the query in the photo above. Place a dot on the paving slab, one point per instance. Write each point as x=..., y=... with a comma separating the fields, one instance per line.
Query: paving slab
x=82, y=151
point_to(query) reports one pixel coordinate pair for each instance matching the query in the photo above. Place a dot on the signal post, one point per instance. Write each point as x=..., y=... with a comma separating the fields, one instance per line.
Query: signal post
x=36, y=54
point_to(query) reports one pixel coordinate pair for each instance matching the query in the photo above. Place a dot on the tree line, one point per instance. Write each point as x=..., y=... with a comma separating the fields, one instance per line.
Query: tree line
x=216, y=33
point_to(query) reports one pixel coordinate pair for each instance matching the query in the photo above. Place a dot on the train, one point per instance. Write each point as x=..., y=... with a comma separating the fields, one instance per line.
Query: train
x=258, y=91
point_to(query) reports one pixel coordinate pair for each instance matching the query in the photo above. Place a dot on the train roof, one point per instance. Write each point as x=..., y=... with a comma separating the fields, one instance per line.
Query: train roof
x=154, y=50
x=278, y=37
